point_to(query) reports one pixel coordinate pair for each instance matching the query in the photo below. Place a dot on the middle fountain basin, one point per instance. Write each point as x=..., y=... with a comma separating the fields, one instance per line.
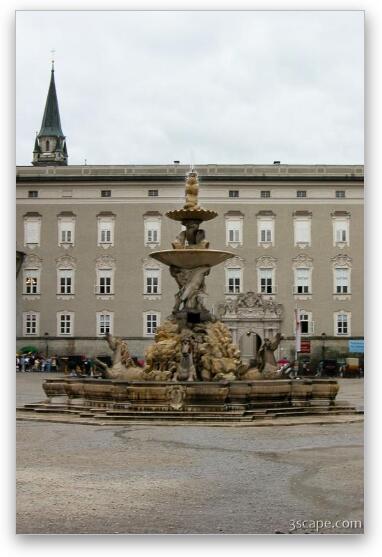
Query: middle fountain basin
x=191, y=258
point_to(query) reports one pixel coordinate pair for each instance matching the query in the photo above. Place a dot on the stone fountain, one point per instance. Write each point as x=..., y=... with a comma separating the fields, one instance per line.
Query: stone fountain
x=193, y=369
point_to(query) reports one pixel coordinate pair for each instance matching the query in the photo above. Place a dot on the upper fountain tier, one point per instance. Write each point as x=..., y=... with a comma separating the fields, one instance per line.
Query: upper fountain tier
x=190, y=248
x=191, y=211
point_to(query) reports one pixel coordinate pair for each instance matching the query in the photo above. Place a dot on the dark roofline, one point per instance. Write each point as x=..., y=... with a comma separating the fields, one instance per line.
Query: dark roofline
x=56, y=180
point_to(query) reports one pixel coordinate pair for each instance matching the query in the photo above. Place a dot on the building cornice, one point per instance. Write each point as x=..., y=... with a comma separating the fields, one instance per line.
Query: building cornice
x=179, y=180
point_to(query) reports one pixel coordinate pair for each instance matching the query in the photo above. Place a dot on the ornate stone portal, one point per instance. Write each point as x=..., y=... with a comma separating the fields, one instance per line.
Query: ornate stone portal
x=250, y=312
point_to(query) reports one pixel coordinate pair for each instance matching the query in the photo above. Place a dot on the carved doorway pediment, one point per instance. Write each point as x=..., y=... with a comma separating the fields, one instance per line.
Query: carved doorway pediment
x=250, y=312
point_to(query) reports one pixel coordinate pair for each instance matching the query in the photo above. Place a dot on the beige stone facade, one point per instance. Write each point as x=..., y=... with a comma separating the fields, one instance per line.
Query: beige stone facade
x=87, y=232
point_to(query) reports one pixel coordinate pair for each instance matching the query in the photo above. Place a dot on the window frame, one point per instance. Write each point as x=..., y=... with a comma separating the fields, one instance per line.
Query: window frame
x=105, y=224
x=342, y=314
x=265, y=224
x=152, y=224
x=342, y=192
x=28, y=221
x=146, y=315
x=265, y=194
x=105, y=281
x=60, y=322
x=36, y=316
x=151, y=273
x=61, y=272
x=308, y=240
x=306, y=289
x=338, y=287
x=233, y=280
x=101, y=316
x=341, y=224
x=310, y=323
x=34, y=273
x=235, y=225
x=65, y=225
x=266, y=287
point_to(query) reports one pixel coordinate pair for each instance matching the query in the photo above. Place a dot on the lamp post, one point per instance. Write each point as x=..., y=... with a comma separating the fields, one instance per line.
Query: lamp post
x=46, y=335
x=323, y=347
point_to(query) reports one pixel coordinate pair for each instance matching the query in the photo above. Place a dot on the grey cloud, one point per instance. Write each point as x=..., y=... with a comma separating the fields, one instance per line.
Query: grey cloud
x=233, y=87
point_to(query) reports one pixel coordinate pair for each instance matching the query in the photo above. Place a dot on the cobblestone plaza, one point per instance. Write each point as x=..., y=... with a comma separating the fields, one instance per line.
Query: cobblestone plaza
x=93, y=479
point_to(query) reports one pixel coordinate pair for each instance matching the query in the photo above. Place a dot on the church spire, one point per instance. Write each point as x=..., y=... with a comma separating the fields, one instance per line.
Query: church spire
x=50, y=144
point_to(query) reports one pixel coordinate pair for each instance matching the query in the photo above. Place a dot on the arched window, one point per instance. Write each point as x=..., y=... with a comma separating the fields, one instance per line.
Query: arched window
x=47, y=145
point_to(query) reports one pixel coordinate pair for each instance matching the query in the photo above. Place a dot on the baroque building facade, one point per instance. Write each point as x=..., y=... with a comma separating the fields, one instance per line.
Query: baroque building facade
x=85, y=234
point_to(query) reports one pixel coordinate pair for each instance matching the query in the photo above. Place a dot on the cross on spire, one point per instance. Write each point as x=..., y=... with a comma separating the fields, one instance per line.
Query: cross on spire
x=53, y=52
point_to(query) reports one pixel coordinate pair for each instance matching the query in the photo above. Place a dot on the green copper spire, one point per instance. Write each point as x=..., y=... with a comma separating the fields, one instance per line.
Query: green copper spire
x=51, y=123
x=50, y=144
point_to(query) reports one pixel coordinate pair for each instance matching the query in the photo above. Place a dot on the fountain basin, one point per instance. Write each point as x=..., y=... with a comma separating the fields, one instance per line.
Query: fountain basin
x=191, y=258
x=194, y=395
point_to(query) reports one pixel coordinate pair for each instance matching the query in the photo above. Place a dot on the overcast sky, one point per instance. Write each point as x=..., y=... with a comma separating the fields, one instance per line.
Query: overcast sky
x=201, y=87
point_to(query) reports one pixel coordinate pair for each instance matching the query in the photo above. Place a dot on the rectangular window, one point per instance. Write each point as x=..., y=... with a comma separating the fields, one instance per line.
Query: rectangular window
x=234, y=235
x=65, y=324
x=30, y=323
x=341, y=231
x=302, y=231
x=233, y=193
x=104, y=324
x=151, y=323
x=234, y=231
x=340, y=194
x=33, y=193
x=106, y=230
x=342, y=281
x=266, y=283
x=32, y=231
x=105, y=235
x=302, y=281
x=152, y=230
x=264, y=194
x=265, y=230
x=104, y=284
x=266, y=235
x=342, y=324
x=304, y=323
x=152, y=281
x=66, y=236
x=233, y=281
x=152, y=235
x=31, y=281
x=105, y=193
x=65, y=281
x=301, y=193
x=153, y=193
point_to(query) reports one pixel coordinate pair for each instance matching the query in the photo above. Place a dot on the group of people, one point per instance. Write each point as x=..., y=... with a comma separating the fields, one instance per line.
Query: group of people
x=36, y=362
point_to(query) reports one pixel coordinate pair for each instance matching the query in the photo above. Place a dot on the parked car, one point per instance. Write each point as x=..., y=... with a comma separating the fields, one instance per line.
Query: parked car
x=329, y=368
